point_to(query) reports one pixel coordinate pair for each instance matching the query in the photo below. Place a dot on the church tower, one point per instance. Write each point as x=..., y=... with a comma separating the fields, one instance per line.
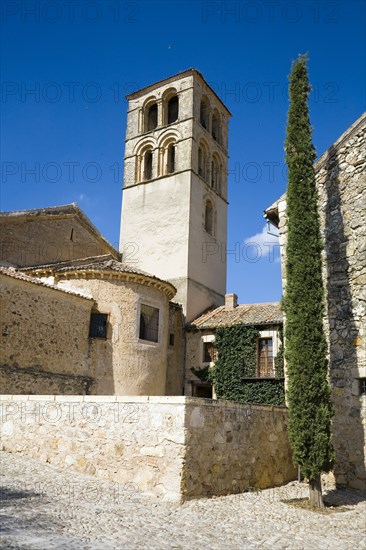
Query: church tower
x=174, y=208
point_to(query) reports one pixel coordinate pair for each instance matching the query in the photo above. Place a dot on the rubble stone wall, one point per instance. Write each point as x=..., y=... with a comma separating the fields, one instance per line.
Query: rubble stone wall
x=341, y=185
x=174, y=448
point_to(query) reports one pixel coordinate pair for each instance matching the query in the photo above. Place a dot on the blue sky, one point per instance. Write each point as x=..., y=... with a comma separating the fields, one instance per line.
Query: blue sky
x=64, y=141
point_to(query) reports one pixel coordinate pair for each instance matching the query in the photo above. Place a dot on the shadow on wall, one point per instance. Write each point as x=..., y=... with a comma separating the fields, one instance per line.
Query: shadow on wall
x=347, y=428
x=102, y=366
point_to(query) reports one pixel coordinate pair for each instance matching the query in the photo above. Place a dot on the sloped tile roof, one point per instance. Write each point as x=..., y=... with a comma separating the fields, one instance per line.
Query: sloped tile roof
x=14, y=274
x=266, y=313
x=94, y=263
x=102, y=264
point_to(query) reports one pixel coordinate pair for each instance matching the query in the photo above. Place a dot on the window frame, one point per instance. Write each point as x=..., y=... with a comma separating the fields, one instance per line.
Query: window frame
x=258, y=366
x=207, y=339
x=100, y=314
x=148, y=304
x=208, y=201
x=168, y=104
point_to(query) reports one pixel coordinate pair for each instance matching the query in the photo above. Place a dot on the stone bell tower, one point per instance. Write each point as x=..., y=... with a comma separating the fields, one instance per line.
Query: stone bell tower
x=174, y=208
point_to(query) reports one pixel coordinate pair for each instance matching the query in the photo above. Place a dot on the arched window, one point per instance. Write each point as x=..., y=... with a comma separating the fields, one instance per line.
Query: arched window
x=216, y=126
x=215, y=174
x=170, y=166
x=168, y=152
x=202, y=160
x=148, y=165
x=204, y=111
x=173, y=109
x=209, y=217
x=145, y=160
x=152, y=117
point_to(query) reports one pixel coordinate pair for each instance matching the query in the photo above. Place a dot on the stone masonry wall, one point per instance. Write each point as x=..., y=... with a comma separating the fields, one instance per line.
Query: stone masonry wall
x=123, y=364
x=232, y=447
x=44, y=343
x=36, y=241
x=341, y=184
x=174, y=448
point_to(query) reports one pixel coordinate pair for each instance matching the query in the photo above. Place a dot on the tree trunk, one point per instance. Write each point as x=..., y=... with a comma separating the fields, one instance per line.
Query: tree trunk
x=315, y=492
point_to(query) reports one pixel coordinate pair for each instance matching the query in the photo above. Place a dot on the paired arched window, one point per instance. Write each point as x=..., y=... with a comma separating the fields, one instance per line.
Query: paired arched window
x=209, y=217
x=151, y=115
x=204, y=112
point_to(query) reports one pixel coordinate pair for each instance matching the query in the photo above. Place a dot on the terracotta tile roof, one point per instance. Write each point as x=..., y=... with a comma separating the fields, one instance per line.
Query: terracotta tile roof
x=57, y=266
x=14, y=274
x=267, y=313
x=94, y=263
x=105, y=263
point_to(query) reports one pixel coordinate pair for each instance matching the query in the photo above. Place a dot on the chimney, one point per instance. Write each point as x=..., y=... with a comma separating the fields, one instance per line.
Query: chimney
x=231, y=301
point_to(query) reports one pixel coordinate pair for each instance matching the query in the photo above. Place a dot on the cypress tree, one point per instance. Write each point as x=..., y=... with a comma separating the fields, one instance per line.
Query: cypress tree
x=310, y=408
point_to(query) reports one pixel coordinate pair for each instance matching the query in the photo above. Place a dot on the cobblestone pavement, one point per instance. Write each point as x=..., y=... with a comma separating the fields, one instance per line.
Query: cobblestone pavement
x=45, y=508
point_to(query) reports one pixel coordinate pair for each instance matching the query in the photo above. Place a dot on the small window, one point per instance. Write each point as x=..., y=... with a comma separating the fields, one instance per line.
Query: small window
x=209, y=218
x=149, y=323
x=265, y=358
x=362, y=382
x=171, y=339
x=152, y=117
x=204, y=109
x=216, y=127
x=148, y=164
x=203, y=389
x=209, y=352
x=201, y=163
x=98, y=325
x=215, y=175
x=173, y=109
x=171, y=159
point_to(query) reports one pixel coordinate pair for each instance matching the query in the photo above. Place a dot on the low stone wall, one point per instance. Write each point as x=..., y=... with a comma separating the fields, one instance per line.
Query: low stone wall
x=171, y=447
x=232, y=447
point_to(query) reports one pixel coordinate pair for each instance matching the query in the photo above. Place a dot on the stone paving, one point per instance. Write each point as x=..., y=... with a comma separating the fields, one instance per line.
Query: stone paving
x=45, y=508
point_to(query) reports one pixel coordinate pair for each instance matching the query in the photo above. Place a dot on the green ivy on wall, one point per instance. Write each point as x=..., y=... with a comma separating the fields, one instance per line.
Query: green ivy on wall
x=237, y=359
x=202, y=374
x=279, y=361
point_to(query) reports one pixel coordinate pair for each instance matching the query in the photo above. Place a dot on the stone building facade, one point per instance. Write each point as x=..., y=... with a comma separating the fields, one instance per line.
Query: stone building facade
x=341, y=186
x=80, y=317
x=200, y=338
x=44, y=337
x=88, y=326
x=50, y=235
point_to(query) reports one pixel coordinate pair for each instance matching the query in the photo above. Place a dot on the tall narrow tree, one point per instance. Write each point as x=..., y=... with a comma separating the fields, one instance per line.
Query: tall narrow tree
x=310, y=408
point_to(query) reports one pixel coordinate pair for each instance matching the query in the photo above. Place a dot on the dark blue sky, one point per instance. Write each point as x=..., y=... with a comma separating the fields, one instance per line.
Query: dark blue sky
x=64, y=141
